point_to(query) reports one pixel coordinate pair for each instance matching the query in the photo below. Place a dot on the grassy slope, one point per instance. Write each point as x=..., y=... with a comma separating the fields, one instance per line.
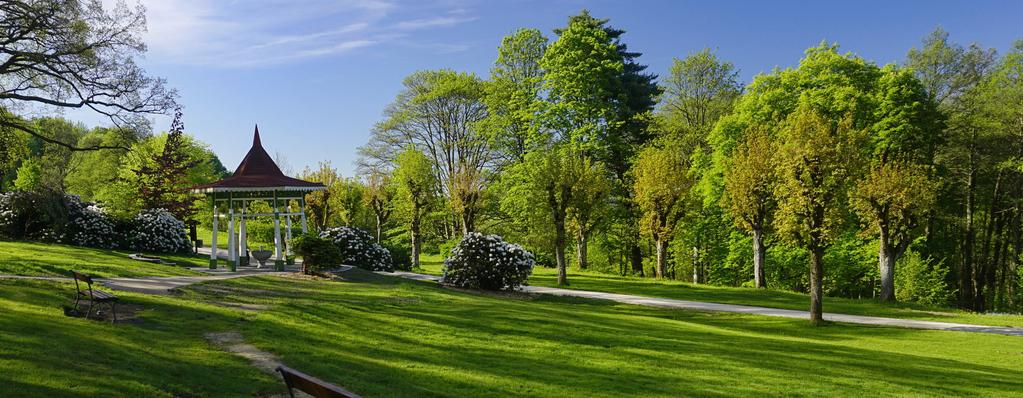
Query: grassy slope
x=381, y=336
x=45, y=354
x=41, y=259
x=730, y=295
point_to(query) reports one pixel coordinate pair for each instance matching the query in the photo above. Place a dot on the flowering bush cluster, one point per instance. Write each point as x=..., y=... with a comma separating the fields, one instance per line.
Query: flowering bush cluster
x=157, y=230
x=358, y=248
x=487, y=262
x=32, y=215
x=88, y=225
x=8, y=216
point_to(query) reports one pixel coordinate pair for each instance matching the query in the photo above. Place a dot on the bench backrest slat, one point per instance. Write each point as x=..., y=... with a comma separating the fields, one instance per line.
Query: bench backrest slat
x=82, y=277
x=311, y=385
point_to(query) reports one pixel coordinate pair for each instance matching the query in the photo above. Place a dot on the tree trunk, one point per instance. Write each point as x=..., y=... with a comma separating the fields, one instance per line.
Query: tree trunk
x=816, y=290
x=1017, y=253
x=662, y=257
x=984, y=267
x=379, y=226
x=468, y=223
x=696, y=264
x=559, y=252
x=759, y=253
x=966, y=270
x=636, y=259
x=414, y=231
x=886, y=265
x=581, y=249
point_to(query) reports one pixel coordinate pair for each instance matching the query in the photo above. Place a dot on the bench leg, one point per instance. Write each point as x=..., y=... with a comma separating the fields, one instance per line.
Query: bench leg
x=91, y=305
x=77, y=299
x=113, y=310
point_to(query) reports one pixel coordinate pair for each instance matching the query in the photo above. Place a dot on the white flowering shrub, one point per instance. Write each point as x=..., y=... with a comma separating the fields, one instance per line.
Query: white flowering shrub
x=8, y=215
x=32, y=215
x=88, y=225
x=158, y=231
x=358, y=248
x=487, y=262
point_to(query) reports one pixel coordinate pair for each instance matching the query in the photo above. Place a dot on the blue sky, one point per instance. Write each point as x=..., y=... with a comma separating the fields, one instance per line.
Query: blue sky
x=315, y=75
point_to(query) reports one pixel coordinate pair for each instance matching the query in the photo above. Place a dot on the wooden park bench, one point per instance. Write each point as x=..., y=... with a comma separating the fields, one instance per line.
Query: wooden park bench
x=296, y=380
x=94, y=296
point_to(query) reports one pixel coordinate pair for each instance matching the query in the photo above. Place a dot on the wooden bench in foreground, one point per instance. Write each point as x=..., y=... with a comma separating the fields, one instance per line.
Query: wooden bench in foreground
x=94, y=296
x=296, y=380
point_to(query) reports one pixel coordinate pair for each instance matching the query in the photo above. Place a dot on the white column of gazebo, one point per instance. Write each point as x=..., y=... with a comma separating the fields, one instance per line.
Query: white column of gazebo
x=237, y=214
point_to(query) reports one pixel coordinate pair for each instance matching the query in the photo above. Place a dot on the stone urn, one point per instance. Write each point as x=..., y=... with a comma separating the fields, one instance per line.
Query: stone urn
x=261, y=256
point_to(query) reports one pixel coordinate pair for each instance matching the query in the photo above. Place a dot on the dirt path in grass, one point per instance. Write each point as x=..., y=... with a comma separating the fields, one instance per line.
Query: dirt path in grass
x=744, y=309
x=233, y=342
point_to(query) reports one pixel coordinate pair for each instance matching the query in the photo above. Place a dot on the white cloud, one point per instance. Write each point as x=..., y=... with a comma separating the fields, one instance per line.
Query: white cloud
x=260, y=32
x=431, y=22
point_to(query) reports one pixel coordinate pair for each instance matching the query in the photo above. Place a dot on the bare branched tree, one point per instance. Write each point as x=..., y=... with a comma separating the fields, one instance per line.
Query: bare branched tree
x=75, y=54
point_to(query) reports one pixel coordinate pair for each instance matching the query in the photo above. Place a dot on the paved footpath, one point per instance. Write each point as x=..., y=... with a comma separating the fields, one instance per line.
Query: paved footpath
x=743, y=309
x=163, y=285
x=160, y=285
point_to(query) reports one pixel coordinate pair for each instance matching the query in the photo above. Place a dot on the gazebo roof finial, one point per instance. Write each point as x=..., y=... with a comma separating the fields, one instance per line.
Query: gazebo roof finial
x=258, y=171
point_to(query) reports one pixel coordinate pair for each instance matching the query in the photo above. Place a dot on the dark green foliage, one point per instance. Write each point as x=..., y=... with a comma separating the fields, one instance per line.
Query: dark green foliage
x=33, y=215
x=163, y=183
x=261, y=230
x=401, y=256
x=317, y=254
x=922, y=280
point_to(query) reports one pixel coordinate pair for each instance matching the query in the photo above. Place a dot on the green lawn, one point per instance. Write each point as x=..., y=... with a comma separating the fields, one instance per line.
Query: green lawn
x=386, y=337
x=42, y=259
x=433, y=264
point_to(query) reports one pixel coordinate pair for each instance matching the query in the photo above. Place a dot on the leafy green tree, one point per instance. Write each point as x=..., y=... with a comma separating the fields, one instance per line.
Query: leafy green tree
x=588, y=205
x=545, y=183
x=59, y=159
x=378, y=195
x=513, y=93
x=893, y=198
x=322, y=205
x=416, y=183
x=699, y=90
x=950, y=74
x=13, y=148
x=662, y=188
x=95, y=174
x=350, y=202
x=749, y=192
x=816, y=158
x=835, y=86
x=440, y=112
x=1001, y=150
x=897, y=192
x=122, y=196
x=583, y=68
x=163, y=182
x=600, y=98
x=30, y=176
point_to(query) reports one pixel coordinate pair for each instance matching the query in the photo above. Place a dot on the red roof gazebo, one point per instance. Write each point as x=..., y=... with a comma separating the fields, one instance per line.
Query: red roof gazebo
x=257, y=178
